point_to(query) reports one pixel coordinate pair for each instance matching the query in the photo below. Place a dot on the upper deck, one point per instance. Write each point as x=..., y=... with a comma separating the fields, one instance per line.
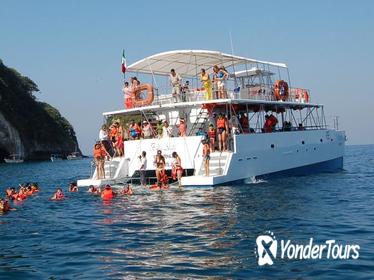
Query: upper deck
x=249, y=81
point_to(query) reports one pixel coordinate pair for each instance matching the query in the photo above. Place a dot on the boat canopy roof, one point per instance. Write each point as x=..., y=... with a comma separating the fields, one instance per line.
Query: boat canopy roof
x=254, y=71
x=189, y=62
x=182, y=105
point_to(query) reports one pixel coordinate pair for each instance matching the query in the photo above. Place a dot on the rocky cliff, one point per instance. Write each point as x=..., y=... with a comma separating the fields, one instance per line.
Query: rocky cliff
x=28, y=127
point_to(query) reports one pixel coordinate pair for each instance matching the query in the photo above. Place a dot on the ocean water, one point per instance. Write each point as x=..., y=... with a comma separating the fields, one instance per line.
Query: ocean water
x=194, y=233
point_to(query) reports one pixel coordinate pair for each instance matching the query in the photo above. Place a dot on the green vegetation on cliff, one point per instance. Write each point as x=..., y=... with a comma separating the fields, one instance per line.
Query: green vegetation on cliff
x=42, y=128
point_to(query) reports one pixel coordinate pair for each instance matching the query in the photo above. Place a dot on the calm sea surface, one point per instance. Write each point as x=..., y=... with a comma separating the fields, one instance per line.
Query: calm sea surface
x=193, y=233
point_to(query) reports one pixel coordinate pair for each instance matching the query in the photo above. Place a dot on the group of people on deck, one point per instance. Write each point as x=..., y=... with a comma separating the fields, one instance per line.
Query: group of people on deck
x=214, y=84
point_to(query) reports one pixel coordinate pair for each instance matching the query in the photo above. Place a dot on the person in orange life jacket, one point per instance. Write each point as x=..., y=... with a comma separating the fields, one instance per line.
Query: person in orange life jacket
x=222, y=131
x=177, y=170
x=212, y=137
x=58, y=195
x=107, y=193
x=274, y=121
x=267, y=125
x=99, y=154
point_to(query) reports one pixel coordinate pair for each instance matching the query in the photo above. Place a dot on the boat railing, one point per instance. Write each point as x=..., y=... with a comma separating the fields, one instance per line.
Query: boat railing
x=257, y=92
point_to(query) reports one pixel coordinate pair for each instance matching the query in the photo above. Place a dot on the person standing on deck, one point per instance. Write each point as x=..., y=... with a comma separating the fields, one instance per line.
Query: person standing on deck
x=207, y=84
x=160, y=166
x=166, y=130
x=128, y=96
x=219, y=77
x=222, y=131
x=147, y=130
x=159, y=129
x=176, y=83
x=143, y=168
x=99, y=154
x=206, y=156
x=182, y=127
x=177, y=169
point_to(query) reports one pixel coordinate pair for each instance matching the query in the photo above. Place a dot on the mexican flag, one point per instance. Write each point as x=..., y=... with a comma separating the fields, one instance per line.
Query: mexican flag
x=124, y=66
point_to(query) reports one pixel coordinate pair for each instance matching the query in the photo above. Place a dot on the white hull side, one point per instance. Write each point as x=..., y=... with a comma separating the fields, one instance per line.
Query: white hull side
x=254, y=155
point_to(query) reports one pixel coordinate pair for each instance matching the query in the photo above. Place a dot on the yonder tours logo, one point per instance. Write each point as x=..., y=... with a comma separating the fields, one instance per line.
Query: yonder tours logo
x=267, y=246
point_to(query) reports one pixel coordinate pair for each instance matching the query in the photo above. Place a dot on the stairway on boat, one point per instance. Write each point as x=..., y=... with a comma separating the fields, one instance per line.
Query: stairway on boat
x=110, y=167
x=217, y=164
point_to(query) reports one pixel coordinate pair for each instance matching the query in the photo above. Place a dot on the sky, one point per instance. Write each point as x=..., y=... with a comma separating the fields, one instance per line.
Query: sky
x=72, y=49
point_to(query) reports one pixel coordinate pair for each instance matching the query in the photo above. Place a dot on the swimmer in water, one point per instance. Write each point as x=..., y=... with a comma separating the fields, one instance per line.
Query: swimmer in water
x=107, y=193
x=4, y=205
x=34, y=188
x=58, y=195
x=94, y=190
x=73, y=187
x=127, y=190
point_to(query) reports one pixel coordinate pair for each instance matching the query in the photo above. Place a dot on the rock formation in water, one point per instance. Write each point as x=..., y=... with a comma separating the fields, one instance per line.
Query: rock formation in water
x=29, y=128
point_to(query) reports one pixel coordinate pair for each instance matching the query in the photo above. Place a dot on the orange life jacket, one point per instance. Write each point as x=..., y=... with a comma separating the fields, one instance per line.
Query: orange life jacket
x=99, y=152
x=221, y=123
x=107, y=194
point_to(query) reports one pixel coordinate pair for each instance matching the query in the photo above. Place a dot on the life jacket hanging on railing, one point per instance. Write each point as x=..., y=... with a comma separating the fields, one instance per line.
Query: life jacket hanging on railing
x=148, y=100
x=281, y=90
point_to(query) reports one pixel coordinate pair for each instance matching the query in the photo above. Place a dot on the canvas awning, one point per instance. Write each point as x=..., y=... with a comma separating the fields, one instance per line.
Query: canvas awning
x=190, y=62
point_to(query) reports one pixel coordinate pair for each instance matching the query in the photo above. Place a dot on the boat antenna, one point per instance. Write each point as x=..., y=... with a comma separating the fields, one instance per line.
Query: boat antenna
x=232, y=53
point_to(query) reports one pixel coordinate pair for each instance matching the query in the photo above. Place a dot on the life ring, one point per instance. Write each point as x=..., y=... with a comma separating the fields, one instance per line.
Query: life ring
x=281, y=90
x=137, y=101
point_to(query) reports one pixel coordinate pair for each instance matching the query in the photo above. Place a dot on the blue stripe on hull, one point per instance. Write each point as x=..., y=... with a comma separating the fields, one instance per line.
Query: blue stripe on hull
x=332, y=165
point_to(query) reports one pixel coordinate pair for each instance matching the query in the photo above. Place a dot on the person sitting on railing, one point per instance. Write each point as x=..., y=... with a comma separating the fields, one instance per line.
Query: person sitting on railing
x=128, y=95
x=166, y=130
x=147, y=130
x=176, y=83
x=206, y=84
x=219, y=76
x=182, y=127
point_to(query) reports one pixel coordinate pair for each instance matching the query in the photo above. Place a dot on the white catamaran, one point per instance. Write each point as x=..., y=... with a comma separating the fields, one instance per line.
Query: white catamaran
x=299, y=141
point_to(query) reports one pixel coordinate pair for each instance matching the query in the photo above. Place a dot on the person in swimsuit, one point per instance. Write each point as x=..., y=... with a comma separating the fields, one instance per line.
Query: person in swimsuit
x=160, y=166
x=222, y=130
x=206, y=156
x=177, y=168
x=206, y=84
x=58, y=195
